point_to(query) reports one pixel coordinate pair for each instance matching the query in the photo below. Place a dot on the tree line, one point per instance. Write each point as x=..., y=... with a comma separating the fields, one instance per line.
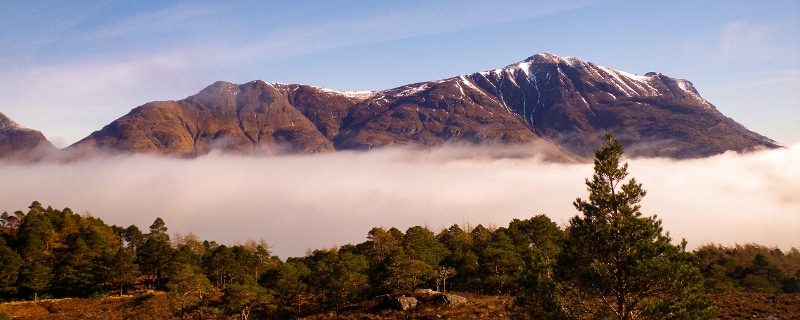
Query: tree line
x=611, y=262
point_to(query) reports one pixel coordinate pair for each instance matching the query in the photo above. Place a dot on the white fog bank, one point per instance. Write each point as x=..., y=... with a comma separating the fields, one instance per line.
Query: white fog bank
x=301, y=202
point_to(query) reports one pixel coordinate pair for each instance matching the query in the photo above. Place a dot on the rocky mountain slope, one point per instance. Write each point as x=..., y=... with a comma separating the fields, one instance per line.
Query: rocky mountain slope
x=572, y=102
x=562, y=103
x=18, y=143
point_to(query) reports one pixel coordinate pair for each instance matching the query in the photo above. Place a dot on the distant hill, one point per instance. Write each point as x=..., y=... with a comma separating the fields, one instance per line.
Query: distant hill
x=563, y=105
x=18, y=143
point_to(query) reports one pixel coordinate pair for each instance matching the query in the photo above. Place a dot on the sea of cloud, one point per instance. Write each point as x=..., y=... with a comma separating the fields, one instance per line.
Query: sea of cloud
x=297, y=203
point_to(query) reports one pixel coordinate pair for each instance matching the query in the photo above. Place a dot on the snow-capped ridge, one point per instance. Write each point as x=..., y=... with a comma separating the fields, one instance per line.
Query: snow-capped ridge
x=626, y=83
x=285, y=87
x=362, y=95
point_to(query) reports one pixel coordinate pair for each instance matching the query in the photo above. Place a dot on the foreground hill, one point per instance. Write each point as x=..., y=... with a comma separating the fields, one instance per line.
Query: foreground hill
x=562, y=104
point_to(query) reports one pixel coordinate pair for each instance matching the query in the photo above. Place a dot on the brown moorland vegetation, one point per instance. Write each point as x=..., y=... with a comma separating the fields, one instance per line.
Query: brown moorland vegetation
x=154, y=306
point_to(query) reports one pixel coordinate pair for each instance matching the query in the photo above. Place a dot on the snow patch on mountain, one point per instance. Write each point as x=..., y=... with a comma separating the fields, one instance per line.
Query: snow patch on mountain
x=362, y=95
x=406, y=91
x=469, y=84
x=525, y=66
x=689, y=89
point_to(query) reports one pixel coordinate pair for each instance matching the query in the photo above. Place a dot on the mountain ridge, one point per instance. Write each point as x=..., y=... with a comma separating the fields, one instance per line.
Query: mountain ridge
x=564, y=104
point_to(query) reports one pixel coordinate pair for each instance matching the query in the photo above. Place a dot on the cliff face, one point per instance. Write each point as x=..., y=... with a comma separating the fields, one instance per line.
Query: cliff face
x=563, y=103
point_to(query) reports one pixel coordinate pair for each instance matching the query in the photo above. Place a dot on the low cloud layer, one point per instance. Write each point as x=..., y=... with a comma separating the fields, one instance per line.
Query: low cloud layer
x=301, y=202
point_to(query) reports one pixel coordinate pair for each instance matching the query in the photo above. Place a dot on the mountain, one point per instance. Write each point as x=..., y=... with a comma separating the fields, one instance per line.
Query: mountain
x=251, y=118
x=559, y=103
x=573, y=102
x=18, y=143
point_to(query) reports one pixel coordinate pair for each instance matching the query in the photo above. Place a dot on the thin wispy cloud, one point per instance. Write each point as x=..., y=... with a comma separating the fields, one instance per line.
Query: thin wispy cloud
x=170, y=19
x=408, y=21
x=752, y=42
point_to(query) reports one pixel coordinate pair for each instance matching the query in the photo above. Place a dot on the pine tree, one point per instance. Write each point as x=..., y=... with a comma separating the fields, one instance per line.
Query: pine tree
x=122, y=270
x=35, y=278
x=153, y=258
x=158, y=230
x=75, y=275
x=155, y=254
x=247, y=299
x=287, y=280
x=10, y=262
x=420, y=243
x=501, y=264
x=617, y=263
x=462, y=258
x=188, y=291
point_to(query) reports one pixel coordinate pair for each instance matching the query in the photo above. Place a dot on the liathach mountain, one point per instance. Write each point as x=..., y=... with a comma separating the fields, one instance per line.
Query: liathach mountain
x=563, y=104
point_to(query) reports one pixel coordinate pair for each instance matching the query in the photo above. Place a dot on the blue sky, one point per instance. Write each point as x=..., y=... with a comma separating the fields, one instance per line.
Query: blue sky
x=68, y=68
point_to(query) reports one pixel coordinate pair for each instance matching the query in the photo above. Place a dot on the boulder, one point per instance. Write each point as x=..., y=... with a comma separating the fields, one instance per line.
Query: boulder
x=451, y=300
x=403, y=303
x=426, y=292
x=382, y=298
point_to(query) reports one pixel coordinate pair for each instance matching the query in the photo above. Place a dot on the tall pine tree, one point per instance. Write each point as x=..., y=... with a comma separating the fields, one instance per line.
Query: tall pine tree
x=10, y=262
x=617, y=263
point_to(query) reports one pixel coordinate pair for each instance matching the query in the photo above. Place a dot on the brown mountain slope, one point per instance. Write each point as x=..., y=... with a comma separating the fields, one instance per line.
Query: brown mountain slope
x=249, y=118
x=18, y=143
x=561, y=103
x=429, y=114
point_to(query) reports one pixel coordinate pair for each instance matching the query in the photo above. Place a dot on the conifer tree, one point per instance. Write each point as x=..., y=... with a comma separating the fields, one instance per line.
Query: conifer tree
x=158, y=230
x=122, y=270
x=247, y=299
x=462, y=258
x=287, y=280
x=75, y=275
x=501, y=264
x=617, y=263
x=188, y=291
x=155, y=253
x=35, y=278
x=10, y=262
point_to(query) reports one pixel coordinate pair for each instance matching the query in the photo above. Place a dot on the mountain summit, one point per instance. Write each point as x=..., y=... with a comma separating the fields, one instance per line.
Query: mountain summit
x=562, y=103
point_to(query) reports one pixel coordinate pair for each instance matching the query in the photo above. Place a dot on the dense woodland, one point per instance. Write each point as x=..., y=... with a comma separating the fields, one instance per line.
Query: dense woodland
x=51, y=253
